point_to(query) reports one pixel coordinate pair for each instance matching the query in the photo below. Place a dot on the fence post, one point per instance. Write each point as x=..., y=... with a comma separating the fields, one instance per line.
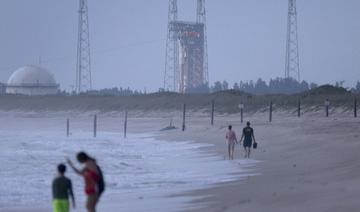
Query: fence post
x=270, y=112
x=355, y=107
x=95, y=125
x=125, y=123
x=241, y=106
x=67, y=127
x=299, y=109
x=184, y=113
x=327, y=104
x=241, y=113
x=212, y=111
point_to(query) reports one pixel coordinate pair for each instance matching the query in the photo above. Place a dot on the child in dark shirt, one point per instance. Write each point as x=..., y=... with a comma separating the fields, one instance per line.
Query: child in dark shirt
x=61, y=189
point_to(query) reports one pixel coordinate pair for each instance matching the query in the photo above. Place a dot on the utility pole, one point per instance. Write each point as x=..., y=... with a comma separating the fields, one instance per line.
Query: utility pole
x=292, y=67
x=83, y=65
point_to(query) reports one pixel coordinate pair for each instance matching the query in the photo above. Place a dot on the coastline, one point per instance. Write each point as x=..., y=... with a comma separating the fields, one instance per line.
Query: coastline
x=45, y=130
x=307, y=163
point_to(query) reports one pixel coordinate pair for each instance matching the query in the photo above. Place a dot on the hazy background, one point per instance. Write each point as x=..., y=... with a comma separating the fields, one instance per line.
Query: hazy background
x=246, y=39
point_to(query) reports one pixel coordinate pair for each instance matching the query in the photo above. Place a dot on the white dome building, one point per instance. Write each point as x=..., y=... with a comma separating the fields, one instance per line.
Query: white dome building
x=32, y=80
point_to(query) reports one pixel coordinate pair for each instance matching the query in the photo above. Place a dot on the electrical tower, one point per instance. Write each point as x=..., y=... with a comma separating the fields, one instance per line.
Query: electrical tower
x=186, y=68
x=83, y=66
x=172, y=51
x=292, y=69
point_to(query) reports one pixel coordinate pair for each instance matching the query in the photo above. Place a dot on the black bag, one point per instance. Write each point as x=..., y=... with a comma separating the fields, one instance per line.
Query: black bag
x=101, y=183
x=254, y=145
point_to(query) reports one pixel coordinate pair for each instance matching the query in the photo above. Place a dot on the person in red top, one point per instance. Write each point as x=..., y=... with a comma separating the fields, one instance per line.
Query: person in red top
x=92, y=174
x=231, y=141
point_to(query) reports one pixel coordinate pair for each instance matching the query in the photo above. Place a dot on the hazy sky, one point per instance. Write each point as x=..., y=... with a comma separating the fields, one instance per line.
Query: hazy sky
x=246, y=39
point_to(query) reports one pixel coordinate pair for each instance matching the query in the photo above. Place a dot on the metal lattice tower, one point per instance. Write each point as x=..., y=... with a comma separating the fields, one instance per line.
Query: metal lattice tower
x=201, y=18
x=292, y=69
x=83, y=66
x=171, y=76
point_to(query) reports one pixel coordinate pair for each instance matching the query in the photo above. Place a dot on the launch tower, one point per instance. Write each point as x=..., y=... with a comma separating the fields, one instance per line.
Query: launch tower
x=186, y=68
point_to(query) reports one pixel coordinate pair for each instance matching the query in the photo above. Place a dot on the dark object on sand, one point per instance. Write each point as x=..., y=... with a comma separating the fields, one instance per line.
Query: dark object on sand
x=254, y=145
x=170, y=127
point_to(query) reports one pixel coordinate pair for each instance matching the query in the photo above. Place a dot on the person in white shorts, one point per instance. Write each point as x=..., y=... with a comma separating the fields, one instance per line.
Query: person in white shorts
x=231, y=141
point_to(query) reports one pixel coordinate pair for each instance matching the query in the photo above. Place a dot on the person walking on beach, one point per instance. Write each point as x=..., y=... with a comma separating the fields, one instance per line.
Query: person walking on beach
x=94, y=180
x=248, y=134
x=231, y=141
x=61, y=189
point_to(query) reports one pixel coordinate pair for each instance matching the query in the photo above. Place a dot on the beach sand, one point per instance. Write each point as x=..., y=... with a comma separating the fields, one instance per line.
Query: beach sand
x=309, y=163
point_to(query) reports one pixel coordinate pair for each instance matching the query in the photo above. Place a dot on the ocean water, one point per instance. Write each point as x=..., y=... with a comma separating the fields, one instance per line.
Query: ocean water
x=140, y=172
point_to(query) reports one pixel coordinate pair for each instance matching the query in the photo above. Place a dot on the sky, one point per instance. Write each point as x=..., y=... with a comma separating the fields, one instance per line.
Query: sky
x=246, y=39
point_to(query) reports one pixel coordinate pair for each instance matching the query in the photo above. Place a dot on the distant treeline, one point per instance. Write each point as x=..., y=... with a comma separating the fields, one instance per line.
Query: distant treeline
x=275, y=86
x=115, y=92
